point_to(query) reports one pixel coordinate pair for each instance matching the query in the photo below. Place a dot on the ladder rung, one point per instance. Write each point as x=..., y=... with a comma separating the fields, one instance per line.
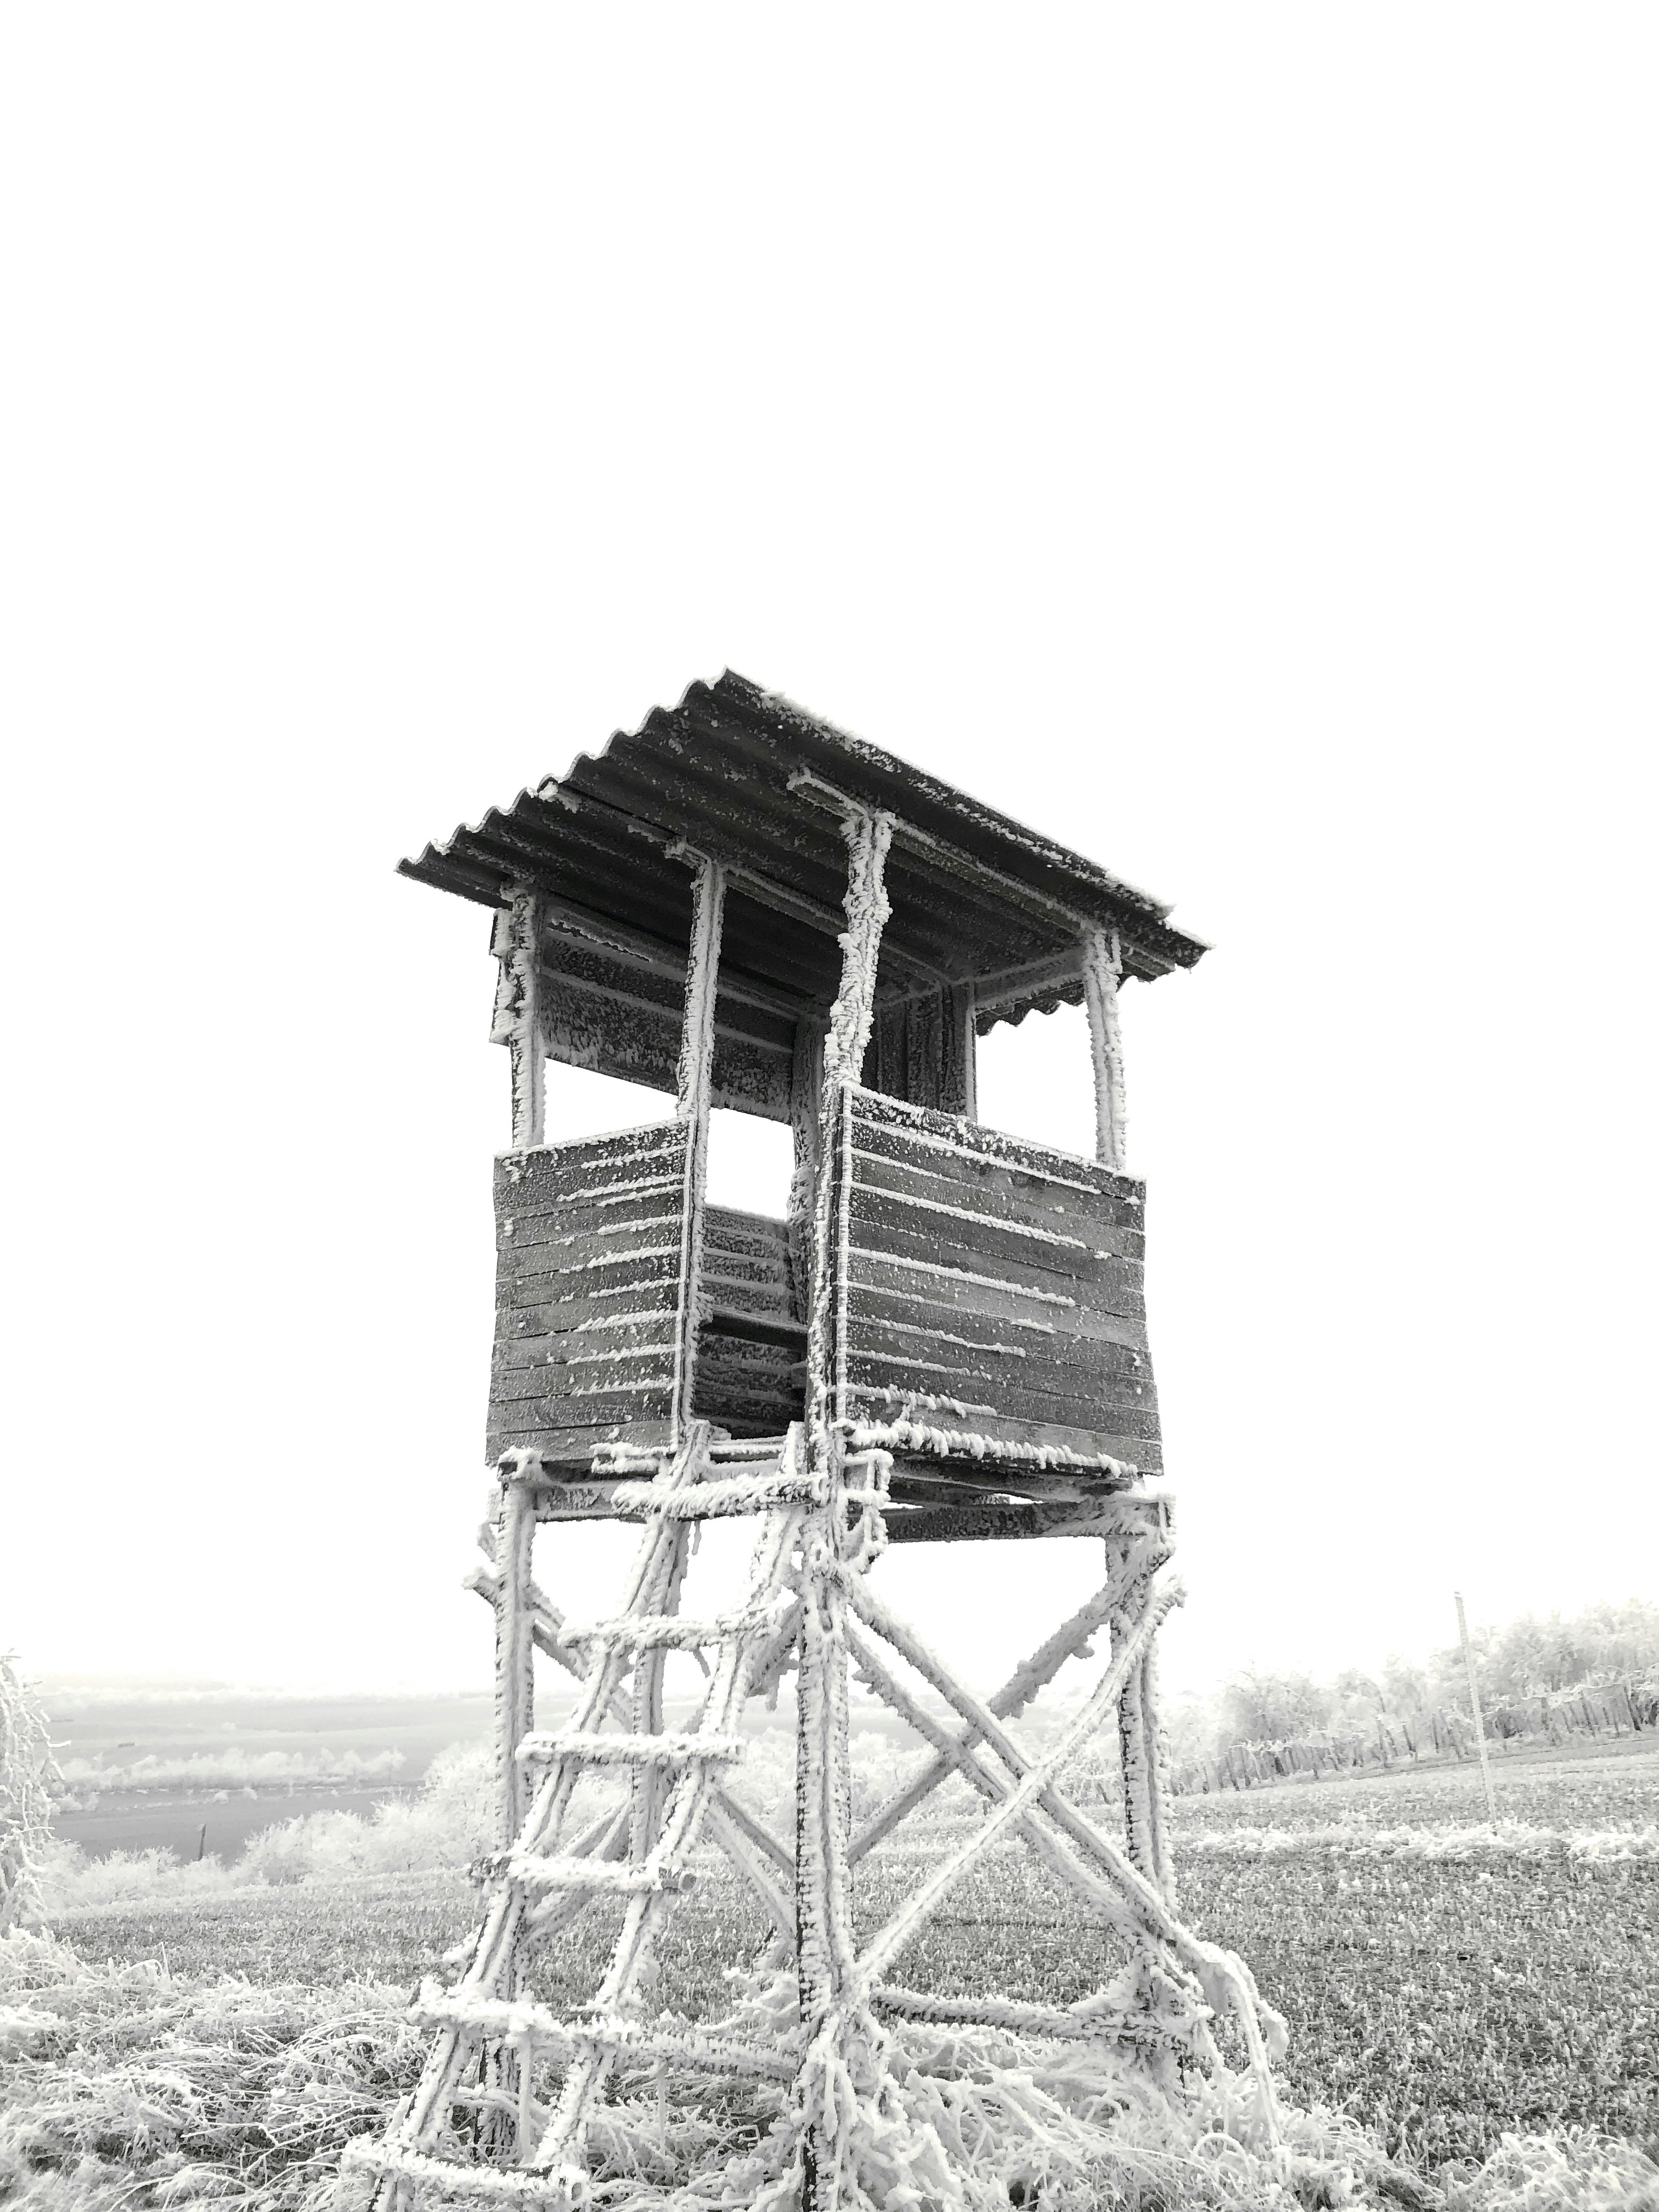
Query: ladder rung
x=704, y=2049
x=652, y=1632
x=563, y=2185
x=606, y=1877
x=595, y=1749
x=710, y=1501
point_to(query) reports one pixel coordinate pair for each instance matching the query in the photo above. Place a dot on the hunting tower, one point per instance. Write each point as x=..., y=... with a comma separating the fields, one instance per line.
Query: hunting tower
x=943, y=1338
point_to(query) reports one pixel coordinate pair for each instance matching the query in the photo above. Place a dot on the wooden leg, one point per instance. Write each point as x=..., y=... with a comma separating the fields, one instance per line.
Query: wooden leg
x=515, y=1683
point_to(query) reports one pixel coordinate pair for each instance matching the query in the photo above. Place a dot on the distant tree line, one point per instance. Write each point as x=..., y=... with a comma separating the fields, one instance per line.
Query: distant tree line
x=1596, y=1673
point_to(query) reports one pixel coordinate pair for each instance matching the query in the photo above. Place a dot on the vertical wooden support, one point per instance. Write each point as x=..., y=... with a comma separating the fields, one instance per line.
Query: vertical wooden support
x=517, y=1022
x=1103, y=970
x=515, y=1679
x=806, y=1104
x=1139, y=1820
x=824, y=1947
x=1140, y=1742
x=696, y=1087
x=868, y=835
x=959, y=1088
x=650, y=1785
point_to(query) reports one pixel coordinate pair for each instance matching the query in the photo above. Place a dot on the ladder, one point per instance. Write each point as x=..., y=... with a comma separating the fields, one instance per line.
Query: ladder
x=484, y=2026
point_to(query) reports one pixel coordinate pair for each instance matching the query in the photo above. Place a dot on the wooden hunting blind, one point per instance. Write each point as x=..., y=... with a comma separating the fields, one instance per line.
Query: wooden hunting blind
x=673, y=912
x=943, y=1337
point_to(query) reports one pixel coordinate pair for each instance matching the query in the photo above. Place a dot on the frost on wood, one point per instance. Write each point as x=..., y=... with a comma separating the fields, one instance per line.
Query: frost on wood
x=518, y=1022
x=863, y=2091
x=967, y=1298
x=1102, y=967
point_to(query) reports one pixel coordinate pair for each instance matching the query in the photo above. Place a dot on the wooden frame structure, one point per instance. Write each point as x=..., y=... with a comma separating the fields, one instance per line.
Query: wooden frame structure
x=945, y=1340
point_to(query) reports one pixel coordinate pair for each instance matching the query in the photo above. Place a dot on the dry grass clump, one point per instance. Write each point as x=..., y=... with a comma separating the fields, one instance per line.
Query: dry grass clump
x=128, y=2085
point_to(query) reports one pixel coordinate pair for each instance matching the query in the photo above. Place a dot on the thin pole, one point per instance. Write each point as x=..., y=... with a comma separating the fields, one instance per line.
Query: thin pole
x=518, y=1022
x=1475, y=1703
x=1103, y=966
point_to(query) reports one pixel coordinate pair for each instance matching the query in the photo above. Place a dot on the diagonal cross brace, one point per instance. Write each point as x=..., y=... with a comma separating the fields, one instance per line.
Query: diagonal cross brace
x=1016, y=1694
x=1023, y=1798
x=1097, y=1895
x=1223, y=1977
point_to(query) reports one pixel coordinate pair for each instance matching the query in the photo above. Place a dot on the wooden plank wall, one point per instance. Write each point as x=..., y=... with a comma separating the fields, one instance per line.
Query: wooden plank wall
x=920, y=1047
x=587, y=1292
x=752, y=1341
x=999, y=1280
x=602, y=1010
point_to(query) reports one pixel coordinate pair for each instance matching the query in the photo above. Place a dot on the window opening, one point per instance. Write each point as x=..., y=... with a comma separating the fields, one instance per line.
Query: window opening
x=751, y=1162
x=1036, y=1080
x=581, y=1103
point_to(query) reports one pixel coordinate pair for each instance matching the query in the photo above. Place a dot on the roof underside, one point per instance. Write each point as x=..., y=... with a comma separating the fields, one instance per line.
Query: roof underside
x=974, y=895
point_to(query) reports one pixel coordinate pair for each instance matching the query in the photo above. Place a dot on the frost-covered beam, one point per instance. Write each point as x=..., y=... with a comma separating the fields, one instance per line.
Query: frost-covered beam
x=806, y=1107
x=517, y=1024
x=1102, y=969
x=515, y=1675
x=695, y=1082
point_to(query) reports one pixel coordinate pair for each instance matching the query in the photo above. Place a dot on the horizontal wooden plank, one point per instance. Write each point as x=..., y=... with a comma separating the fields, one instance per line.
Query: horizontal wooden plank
x=1117, y=1408
x=1014, y=1386
x=572, y=1444
x=987, y=1524
x=1035, y=1254
x=750, y=1078
x=725, y=1282
x=577, y=1410
x=576, y=1228
x=751, y=1235
x=885, y=1322
x=651, y=1367
x=771, y=1409
x=569, y=965
x=879, y=1225
x=627, y=1303
x=956, y=1298
x=651, y=1183
x=888, y=1159
x=744, y=1361
x=585, y=1162
x=631, y=1334
x=1143, y=1453
x=951, y=1133
x=528, y=1278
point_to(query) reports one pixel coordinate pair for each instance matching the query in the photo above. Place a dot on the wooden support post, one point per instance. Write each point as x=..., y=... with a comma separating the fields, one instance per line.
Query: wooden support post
x=695, y=1088
x=1102, y=967
x=515, y=1681
x=1146, y=1785
x=805, y=1106
x=961, y=1083
x=517, y=1022
x=823, y=1804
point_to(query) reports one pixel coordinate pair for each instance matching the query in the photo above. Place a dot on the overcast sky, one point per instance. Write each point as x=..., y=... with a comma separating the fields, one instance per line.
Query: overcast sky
x=1223, y=437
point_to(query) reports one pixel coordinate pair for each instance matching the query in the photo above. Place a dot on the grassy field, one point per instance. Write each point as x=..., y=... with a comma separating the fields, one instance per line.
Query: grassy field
x=1442, y=2000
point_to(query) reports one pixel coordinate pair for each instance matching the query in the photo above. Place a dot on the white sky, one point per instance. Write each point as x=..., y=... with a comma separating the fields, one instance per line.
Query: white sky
x=1221, y=437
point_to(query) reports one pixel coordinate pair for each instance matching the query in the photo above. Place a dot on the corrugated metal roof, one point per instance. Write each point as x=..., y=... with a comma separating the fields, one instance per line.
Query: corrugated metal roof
x=973, y=893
